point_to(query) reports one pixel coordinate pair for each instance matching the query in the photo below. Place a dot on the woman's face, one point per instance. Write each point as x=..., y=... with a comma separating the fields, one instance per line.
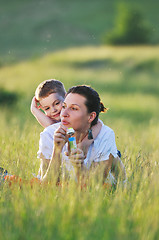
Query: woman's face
x=74, y=112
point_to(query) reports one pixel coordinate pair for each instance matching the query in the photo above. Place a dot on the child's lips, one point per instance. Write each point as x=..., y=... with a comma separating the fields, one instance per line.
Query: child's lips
x=56, y=115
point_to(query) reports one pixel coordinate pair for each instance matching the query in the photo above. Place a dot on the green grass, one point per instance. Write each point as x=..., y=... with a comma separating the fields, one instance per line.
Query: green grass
x=127, y=80
x=61, y=39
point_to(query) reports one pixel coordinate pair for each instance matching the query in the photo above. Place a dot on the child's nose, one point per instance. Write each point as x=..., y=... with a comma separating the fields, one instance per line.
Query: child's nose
x=53, y=109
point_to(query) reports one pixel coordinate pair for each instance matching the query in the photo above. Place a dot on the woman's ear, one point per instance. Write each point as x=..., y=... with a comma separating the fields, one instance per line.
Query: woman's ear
x=92, y=116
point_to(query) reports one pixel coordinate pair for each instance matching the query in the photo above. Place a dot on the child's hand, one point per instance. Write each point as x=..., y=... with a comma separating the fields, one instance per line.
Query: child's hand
x=41, y=117
x=34, y=105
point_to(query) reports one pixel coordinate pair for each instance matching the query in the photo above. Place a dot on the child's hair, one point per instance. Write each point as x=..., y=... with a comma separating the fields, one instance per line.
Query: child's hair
x=48, y=87
x=93, y=102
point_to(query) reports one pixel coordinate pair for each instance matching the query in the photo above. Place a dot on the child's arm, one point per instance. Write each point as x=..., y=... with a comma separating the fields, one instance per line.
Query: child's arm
x=84, y=145
x=96, y=128
x=44, y=120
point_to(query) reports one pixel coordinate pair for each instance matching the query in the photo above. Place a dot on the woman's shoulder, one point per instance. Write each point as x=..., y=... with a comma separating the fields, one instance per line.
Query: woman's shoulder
x=105, y=131
x=104, y=144
x=105, y=137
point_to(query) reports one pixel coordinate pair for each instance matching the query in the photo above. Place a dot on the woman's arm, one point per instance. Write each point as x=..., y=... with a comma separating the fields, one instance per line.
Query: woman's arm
x=77, y=157
x=44, y=120
x=54, y=169
x=118, y=168
x=43, y=166
x=98, y=170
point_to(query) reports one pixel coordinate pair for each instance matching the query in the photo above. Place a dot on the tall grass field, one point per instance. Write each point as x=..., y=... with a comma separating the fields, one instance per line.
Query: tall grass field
x=127, y=81
x=61, y=39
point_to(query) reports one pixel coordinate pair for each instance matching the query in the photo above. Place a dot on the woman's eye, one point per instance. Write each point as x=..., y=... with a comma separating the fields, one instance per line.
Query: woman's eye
x=73, y=108
x=46, y=109
x=63, y=106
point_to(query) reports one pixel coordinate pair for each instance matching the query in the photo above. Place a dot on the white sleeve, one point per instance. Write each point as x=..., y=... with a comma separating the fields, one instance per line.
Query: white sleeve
x=46, y=143
x=106, y=147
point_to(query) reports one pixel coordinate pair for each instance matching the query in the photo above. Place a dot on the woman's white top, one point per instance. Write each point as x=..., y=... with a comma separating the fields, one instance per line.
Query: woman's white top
x=100, y=149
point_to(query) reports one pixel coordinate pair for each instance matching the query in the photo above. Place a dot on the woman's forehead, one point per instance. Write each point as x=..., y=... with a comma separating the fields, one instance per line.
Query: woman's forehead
x=75, y=98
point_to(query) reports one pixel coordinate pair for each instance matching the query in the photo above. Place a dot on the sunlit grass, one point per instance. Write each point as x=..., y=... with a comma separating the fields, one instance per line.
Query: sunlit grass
x=51, y=212
x=69, y=213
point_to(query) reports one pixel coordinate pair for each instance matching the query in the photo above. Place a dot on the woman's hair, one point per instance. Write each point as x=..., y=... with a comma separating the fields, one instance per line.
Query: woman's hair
x=48, y=87
x=93, y=102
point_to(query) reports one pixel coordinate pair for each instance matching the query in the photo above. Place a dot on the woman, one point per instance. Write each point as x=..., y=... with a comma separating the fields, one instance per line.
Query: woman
x=80, y=111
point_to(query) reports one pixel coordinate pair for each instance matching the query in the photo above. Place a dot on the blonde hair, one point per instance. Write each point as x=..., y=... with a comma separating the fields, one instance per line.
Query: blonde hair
x=48, y=87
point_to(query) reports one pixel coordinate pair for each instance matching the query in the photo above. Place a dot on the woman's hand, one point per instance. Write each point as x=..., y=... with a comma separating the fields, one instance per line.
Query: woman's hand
x=60, y=136
x=76, y=157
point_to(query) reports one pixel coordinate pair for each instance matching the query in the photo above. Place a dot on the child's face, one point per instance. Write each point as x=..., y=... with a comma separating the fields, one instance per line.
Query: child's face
x=52, y=106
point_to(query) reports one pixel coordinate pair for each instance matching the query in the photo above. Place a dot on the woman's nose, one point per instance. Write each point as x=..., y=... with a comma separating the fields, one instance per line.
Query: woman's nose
x=64, y=112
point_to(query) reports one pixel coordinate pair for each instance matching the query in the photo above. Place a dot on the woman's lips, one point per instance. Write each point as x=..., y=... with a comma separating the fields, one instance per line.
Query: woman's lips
x=64, y=122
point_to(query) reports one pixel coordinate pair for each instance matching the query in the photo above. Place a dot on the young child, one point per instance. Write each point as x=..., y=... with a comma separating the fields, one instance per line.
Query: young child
x=49, y=96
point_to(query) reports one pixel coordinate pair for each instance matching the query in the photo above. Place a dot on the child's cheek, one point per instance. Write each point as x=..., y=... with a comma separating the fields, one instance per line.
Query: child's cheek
x=61, y=106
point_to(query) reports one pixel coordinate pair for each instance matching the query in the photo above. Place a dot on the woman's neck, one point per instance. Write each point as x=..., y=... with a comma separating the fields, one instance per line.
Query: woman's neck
x=80, y=136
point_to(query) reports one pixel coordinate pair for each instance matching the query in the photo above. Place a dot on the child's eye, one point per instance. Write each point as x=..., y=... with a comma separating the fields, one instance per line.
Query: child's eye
x=57, y=103
x=63, y=106
x=46, y=109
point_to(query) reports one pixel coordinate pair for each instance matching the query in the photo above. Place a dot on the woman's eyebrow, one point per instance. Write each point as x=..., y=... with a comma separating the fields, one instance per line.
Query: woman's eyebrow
x=75, y=104
x=72, y=104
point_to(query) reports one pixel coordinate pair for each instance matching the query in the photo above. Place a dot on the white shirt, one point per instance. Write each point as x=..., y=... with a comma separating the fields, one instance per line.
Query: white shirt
x=99, y=150
x=46, y=141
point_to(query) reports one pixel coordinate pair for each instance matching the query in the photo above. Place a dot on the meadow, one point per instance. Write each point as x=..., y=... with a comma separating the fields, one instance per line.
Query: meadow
x=31, y=29
x=127, y=80
x=62, y=39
